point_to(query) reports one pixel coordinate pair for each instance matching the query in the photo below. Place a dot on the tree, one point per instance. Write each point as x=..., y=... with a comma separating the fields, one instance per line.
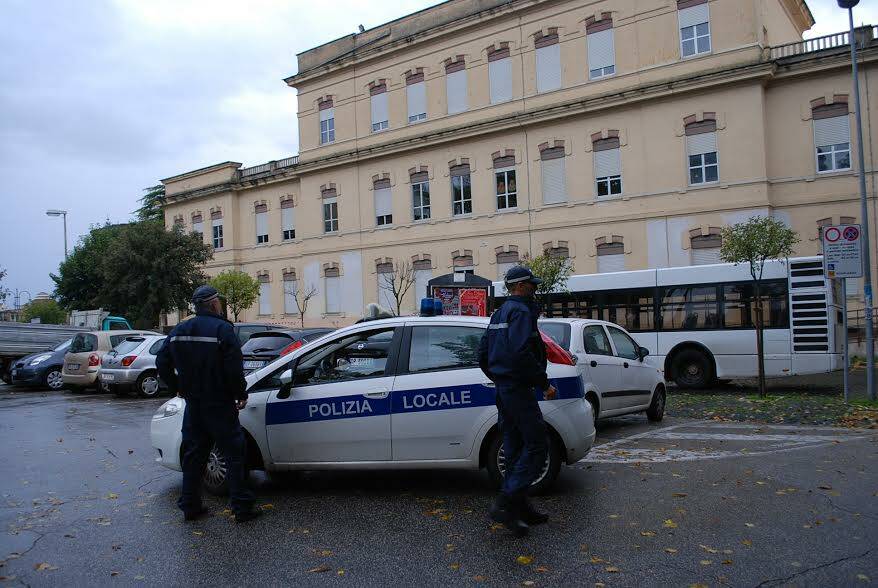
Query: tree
x=399, y=282
x=754, y=242
x=552, y=270
x=4, y=292
x=47, y=311
x=80, y=283
x=239, y=289
x=151, y=204
x=301, y=296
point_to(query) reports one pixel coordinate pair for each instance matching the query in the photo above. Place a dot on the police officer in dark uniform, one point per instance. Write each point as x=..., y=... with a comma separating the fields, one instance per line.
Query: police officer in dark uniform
x=513, y=356
x=201, y=361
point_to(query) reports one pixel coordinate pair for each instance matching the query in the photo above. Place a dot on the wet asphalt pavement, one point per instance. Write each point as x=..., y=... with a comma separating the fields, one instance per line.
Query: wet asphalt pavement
x=679, y=504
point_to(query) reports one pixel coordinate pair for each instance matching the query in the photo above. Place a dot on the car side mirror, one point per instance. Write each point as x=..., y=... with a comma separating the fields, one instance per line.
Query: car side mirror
x=286, y=383
x=642, y=352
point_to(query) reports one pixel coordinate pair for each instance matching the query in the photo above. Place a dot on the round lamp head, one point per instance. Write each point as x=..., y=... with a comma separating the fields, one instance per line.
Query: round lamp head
x=847, y=3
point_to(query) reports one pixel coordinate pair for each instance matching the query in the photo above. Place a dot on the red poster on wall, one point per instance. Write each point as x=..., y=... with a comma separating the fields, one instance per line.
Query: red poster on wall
x=474, y=302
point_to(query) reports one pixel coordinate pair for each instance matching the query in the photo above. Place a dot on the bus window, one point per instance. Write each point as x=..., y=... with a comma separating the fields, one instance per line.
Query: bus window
x=739, y=306
x=686, y=308
x=632, y=309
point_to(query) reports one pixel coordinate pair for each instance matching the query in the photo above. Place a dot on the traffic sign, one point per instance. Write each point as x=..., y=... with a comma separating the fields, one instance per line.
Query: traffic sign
x=842, y=251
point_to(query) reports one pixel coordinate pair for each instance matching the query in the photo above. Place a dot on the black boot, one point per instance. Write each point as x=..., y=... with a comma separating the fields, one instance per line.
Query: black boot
x=506, y=511
x=530, y=515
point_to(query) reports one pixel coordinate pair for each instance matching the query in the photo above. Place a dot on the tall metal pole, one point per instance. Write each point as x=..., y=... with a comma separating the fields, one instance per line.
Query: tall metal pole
x=65, y=235
x=845, y=351
x=867, y=246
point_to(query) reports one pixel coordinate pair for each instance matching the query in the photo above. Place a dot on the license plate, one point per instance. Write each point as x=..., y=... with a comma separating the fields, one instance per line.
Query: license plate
x=72, y=367
x=108, y=377
x=253, y=365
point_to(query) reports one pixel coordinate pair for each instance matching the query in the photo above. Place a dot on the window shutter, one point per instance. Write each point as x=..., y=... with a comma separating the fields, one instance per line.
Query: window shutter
x=460, y=170
x=383, y=202
x=607, y=163
x=549, y=67
x=264, y=298
x=379, y=108
x=422, y=276
x=705, y=256
x=611, y=263
x=554, y=190
x=601, y=52
x=455, y=88
x=333, y=301
x=261, y=223
x=327, y=113
x=288, y=218
x=290, y=287
x=416, y=95
x=694, y=15
x=500, y=77
x=701, y=143
x=832, y=131
x=385, y=291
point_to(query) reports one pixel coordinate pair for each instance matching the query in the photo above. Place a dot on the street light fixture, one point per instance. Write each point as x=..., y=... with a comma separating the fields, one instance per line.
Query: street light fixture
x=62, y=213
x=864, y=209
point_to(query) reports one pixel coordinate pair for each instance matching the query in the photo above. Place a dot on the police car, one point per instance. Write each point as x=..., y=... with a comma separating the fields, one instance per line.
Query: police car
x=396, y=393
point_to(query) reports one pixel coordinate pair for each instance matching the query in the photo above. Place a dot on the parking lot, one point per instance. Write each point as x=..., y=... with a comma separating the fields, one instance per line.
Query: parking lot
x=678, y=504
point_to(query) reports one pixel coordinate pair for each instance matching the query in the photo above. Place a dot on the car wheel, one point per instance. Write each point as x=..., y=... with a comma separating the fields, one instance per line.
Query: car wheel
x=147, y=385
x=214, y=478
x=692, y=369
x=656, y=410
x=594, y=411
x=53, y=380
x=547, y=477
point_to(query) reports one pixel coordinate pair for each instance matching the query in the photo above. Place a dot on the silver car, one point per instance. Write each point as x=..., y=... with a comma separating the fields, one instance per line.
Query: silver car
x=130, y=366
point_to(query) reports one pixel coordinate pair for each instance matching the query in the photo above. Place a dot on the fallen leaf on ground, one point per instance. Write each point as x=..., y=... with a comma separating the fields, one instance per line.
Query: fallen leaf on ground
x=323, y=552
x=524, y=560
x=747, y=542
x=42, y=567
x=679, y=495
x=268, y=506
x=479, y=578
x=596, y=560
x=614, y=516
x=611, y=569
x=727, y=562
x=825, y=487
x=863, y=577
x=446, y=517
x=198, y=533
x=112, y=496
x=340, y=572
x=751, y=525
x=454, y=566
x=319, y=569
x=114, y=573
x=140, y=577
x=669, y=524
x=705, y=562
x=541, y=569
x=708, y=549
x=670, y=550
x=648, y=533
x=527, y=583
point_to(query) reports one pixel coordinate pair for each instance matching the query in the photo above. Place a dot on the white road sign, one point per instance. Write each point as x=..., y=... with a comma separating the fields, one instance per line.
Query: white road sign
x=843, y=251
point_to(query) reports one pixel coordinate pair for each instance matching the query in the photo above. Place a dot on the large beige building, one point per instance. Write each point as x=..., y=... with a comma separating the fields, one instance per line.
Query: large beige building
x=620, y=133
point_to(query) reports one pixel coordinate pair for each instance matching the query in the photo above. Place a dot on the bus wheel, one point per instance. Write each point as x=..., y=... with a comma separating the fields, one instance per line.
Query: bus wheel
x=692, y=369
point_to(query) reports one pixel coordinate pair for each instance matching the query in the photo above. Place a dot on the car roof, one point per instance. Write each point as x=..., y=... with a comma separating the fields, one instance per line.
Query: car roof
x=579, y=321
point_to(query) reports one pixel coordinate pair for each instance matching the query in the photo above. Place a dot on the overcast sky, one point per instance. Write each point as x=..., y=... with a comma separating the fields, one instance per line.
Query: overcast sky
x=99, y=99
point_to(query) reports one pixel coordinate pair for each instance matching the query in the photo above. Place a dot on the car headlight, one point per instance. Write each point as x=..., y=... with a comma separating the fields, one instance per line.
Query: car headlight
x=40, y=359
x=169, y=409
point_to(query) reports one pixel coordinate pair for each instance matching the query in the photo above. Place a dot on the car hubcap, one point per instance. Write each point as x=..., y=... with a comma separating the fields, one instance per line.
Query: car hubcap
x=501, y=465
x=54, y=380
x=150, y=386
x=660, y=403
x=215, y=472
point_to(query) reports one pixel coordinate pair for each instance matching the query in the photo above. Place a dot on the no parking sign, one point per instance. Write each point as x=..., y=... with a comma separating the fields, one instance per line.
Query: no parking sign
x=842, y=251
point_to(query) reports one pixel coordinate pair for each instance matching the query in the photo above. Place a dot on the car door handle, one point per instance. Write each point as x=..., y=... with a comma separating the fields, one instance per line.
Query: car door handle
x=377, y=393
x=625, y=364
x=593, y=363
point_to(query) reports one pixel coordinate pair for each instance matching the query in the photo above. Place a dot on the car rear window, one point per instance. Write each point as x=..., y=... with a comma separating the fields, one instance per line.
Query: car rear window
x=559, y=332
x=84, y=343
x=128, y=345
x=156, y=346
x=273, y=342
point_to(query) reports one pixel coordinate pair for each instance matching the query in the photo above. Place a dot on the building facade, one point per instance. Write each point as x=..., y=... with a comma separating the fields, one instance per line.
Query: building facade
x=623, y=134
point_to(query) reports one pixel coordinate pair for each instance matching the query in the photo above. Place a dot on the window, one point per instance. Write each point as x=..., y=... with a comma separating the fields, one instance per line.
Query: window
x=689, y=307
x=832, y=137
x=261, y=224
x=607, y=167
x=83, y=343
x=423, y=269
x=264, y=295
x=383, y=203
x=701, y=147
x=288, y=219
x=504, y=176
x=178, y=223
x=461, y=191
x=739, y=305
x=197, y=224
x=217, y=225
x=386, y=298
x=291, y=290
x=554, y=182
x=601, y=48
x=557, y=332
x=694, y=18
x=330, y=210
x=420, y=196
x=379, y=107
x=611, y=257
x=357, y=356
x=596, y=341
x=500, y=74
x=125, y=345
x=154, y=349
x=625, y=345
x=333, y=298
x=327, y=122
x=548, y=52
x=455, y=85
x=444, y=348
x=506, y=260
x=416, y=96
x=706, y=249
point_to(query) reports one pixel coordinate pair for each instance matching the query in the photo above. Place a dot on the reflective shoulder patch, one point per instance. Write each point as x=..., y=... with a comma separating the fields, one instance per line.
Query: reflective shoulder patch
x=499, y=326
x=195, y=339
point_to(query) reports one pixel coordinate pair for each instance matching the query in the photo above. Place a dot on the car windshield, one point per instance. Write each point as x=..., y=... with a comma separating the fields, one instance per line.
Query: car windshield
x=559, y=332
x=261, y=344
x=128, y=345
x=83, y=343
x=64, y=345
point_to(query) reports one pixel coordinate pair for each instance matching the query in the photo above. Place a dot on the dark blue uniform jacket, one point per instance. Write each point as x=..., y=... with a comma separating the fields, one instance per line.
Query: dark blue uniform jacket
x=206, y=354
x=512, y=352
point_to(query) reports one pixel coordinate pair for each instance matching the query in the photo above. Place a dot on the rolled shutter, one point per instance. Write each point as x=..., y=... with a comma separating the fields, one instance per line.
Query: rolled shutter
x=416, y=95
x=383, y=202
x=607, y=163
x=701, y=143
x=422, y=277
x=333, y=301
x=290, y=288
x=326, y=114
x=611, y=263
x=601, y=52
x=549, y=68
x=264, y=298
x=261, y=223
x=705, y=256
x=385, y=291
x=500, y=76
x=288, y=218
x=694, y=15
x=455, y=88
x=554, y=190
x=379, y=108
x=832, y=131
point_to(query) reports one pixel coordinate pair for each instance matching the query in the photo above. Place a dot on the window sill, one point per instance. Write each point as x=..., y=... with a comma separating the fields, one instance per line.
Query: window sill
x=609, y=198
x=556, y=204
x=837, y=172
x=696, y=56
x=461, y=216
x=509, y=210
x=334, y=314
x=704, y=185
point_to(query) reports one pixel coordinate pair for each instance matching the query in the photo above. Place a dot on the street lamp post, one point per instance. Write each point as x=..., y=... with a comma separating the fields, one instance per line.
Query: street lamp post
x=867, y=257
x=61, y=213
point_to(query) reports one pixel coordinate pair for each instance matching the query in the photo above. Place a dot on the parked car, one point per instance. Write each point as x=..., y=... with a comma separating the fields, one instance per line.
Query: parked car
x=618, y=377
x=41, y=369
x=82, y=363
x=400, y=393
x=264, y=347
x=130, y=367
x=245, y=330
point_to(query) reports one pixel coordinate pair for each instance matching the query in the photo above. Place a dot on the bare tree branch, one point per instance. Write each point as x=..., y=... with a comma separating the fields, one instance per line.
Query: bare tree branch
x=301, y=296
x=400, y=281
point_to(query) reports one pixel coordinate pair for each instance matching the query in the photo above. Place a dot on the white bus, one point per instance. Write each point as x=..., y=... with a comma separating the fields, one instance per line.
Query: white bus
x=698, y=322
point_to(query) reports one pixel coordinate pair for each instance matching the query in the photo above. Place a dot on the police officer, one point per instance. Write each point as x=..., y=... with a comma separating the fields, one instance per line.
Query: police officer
x=513, y=356
x=201, y=361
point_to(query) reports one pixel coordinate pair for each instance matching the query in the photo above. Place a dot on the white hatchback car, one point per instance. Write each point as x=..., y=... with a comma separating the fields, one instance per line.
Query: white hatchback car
x=386, y=394
x=619, y=378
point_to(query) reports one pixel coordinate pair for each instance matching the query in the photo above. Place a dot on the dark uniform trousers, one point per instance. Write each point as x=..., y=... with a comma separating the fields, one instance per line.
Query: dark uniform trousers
x=203, y=424
x=524, y=437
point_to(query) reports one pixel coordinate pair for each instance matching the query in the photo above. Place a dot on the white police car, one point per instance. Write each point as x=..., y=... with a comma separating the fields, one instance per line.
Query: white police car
x=387, y=394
